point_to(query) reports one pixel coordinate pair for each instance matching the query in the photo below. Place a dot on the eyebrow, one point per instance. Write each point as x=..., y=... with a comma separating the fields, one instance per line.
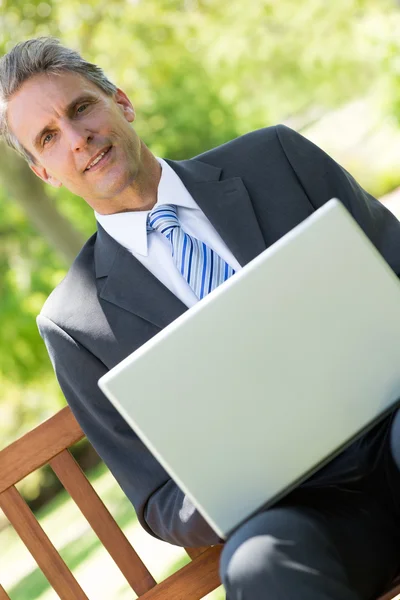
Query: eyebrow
x=69, y=110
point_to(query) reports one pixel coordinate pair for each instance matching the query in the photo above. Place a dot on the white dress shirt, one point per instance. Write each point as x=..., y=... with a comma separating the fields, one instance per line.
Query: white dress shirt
x=153, y=250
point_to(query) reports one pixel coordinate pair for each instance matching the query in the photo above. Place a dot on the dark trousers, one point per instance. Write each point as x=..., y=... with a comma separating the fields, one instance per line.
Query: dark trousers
x=335, y=538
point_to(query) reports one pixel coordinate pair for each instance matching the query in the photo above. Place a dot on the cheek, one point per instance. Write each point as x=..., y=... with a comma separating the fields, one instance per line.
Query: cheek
x=101, y=119
x=128, y=135
x=58, y=160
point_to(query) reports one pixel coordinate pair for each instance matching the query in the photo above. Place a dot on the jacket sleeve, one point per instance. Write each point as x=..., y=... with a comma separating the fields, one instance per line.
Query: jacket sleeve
x=322, y=179
x=162, y=508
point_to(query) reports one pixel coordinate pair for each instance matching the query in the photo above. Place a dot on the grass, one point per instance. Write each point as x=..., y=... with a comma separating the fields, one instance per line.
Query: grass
x=82, y=551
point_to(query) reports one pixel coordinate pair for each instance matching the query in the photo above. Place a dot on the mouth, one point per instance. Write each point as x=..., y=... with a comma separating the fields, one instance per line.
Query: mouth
x=98, y=160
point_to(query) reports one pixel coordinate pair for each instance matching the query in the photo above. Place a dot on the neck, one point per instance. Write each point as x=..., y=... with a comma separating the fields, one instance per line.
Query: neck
x=147, y=180
x=142, y=193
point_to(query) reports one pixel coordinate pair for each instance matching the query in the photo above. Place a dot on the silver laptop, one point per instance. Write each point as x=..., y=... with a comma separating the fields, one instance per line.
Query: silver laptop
x=269, y=376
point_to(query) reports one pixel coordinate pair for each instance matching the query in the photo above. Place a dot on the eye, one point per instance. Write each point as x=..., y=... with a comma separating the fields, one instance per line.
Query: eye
x=48, y=137
x=82, y=108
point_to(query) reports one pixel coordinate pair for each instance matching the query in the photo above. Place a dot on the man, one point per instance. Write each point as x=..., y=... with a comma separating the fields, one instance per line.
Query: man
x=336, y=536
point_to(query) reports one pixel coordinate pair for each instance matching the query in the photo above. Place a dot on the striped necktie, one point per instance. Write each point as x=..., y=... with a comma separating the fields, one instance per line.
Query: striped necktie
x=203, y=269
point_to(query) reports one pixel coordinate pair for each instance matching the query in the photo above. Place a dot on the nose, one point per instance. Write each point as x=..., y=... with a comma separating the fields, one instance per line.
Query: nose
x=78, y=137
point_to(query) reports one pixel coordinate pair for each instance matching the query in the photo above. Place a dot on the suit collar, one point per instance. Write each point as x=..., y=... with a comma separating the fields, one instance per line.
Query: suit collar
x=106, y=250
x=227, y=205
x=130, y=228
x=129, y=285
x=106, y=247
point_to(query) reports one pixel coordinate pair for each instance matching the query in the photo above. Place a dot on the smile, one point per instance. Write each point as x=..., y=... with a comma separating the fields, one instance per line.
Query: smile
x=99, y=160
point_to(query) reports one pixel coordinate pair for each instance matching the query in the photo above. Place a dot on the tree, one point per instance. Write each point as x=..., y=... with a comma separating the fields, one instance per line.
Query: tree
x=31, y=194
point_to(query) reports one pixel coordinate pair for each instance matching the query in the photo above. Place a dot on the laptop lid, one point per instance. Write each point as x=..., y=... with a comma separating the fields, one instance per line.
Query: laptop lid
x=258, y=385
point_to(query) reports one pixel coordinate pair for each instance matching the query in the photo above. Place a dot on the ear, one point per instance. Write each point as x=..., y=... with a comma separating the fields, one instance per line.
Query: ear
x=44, y=176
x=125, y=104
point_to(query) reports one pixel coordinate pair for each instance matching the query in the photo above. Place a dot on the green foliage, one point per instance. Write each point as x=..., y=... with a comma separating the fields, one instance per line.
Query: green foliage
x=28, y=270
x=199, y=73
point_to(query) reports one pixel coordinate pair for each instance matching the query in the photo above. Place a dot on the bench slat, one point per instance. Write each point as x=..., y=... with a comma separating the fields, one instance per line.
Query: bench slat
x=36, y=448
x=195, y=552
x=39, y=545
x=191, y=582
x=102, y=522
x=3, y=594
x=392, y=594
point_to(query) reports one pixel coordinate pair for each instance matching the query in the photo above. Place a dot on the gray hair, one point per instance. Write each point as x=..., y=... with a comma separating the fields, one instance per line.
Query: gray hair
x=35, y=56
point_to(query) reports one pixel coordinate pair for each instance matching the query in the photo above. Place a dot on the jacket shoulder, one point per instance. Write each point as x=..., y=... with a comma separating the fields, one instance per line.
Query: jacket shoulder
x=253, y=141
x=75, y=289
x=242, y=155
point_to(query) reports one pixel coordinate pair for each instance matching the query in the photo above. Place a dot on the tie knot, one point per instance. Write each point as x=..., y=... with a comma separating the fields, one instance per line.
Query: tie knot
x=163, y=219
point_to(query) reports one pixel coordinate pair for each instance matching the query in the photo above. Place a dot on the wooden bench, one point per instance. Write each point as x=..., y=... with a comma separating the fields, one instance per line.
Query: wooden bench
x=49, y=443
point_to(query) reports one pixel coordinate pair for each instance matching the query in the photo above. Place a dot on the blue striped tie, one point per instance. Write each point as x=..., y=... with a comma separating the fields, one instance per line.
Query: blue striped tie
x=203, y=269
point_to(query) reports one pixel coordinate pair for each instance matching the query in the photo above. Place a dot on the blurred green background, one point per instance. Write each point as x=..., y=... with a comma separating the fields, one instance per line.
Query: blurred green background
x=199, y=73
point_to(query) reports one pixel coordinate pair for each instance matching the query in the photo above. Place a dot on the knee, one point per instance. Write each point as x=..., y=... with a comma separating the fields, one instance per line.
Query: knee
x=256, y=557
x=245, y=566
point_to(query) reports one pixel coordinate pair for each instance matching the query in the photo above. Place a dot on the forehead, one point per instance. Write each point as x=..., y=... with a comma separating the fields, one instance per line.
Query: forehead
x=46, y=96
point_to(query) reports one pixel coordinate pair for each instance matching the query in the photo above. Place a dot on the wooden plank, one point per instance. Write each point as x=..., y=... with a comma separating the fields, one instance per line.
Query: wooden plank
x=36, y=448
x=392, y=594
x=193, y=581
x=3, y=594
x=39, y=545
x=195, y=552
x=102, y=522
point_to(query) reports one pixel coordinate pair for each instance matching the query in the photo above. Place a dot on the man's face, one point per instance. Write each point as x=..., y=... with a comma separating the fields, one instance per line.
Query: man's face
x=66, y=122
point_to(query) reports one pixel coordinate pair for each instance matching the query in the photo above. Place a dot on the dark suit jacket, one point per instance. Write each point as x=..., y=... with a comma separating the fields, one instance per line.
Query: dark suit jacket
x=253, y=189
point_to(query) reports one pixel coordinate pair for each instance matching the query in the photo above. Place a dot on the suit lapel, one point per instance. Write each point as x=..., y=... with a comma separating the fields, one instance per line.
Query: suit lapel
x=128, y=284
x=226, y=203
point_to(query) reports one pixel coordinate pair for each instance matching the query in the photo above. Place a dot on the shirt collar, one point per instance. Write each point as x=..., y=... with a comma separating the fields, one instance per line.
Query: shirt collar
x=129, y=228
